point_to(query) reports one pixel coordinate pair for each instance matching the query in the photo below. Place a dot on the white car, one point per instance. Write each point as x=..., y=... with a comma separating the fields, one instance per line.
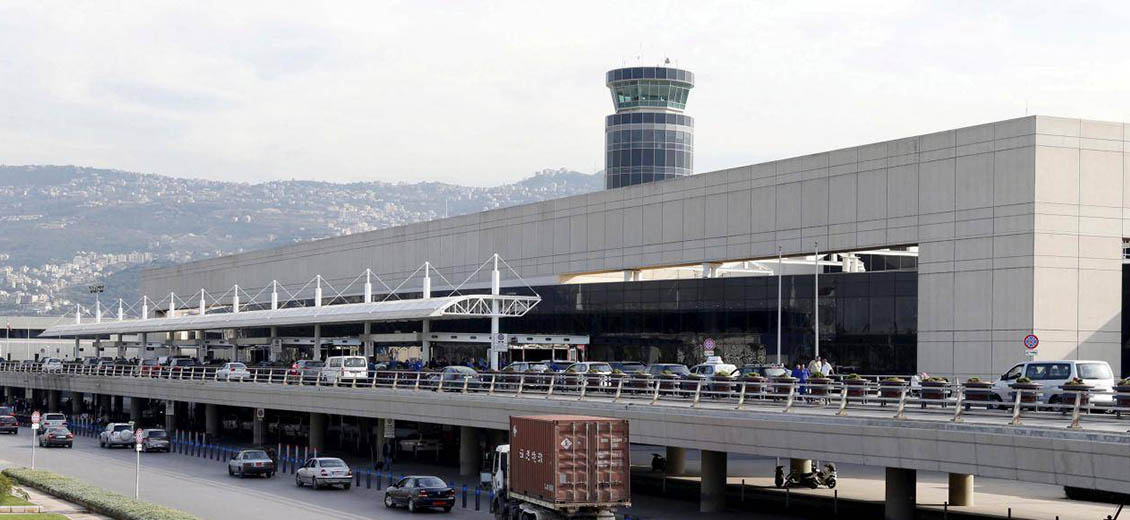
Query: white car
x=324, y=471
x=52, y=365
x=340, y=368
x=1053, y=374
x=234, y=371
x=116, y=434
x=53, y=420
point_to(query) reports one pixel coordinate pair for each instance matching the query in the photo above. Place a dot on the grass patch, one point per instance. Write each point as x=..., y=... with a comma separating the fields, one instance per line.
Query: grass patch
x=33, y=516
x=94, y=498
x=13, y=501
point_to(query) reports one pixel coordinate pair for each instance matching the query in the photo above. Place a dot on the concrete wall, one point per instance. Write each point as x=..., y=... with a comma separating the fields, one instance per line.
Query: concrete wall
x=1019, y=223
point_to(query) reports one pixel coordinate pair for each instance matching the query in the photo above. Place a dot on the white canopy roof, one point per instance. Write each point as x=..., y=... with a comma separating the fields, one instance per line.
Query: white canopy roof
x=449, y=307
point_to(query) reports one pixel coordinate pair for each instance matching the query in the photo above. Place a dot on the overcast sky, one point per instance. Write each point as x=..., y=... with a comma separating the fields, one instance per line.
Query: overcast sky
x=486, y=93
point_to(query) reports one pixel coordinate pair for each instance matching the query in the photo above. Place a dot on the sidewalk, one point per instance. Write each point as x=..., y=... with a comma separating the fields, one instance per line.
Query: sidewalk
x=51, y=504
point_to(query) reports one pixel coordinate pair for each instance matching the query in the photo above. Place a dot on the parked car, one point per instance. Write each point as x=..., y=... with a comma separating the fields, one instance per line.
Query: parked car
x=762, y=370
x=104, y=365
x=418, y=492
x=149, y=367
x=182, y=364
x=90, y=361
x=324, y=471
x=154, y=439
x=7, y=410
x=9, y=424
x=596, y=372
x=305, y=370
x=234, y=371
x=419, y=444
x=56, y=436
x=453, y=376
x=677, y=369
x=344, y=368
x=27, y=365
x=251, y=462
x=52, y=365
x=116, y=434
x=52, y=420
x=1053, y=374
x=628, y=367
x=526, y=366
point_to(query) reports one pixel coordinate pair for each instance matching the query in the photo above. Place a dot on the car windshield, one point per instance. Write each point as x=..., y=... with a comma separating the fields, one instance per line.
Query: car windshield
x=157, y=434
x=149, y=362
x=355, y=362
x=315, y=364
x=237, y=366
x=538, y=367
x=332, y=463
x=462, y=370
x=58, y=431
x=7, y=420
x=54, y=417
x=258, y=455
x=430, y=482
x=775, y=371
x=1094, y=371
x=121, y=427
x=600, y=367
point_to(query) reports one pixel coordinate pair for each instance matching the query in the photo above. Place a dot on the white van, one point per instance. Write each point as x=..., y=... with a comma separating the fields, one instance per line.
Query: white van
x=339, y=368
x=1053, y=374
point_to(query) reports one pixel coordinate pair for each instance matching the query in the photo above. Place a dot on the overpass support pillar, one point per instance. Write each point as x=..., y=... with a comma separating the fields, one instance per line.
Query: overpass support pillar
x=676, y=461
x=801, y=466
x=116, y=404
x=961, y=489
x=103, y=404
x=136, y=405
x=53, y=400
x=211, y=420
x=367, y=340
x=318, y=431
x=76, y=403
x=171, y=417
x=712, y=497
x=469, y=451
x=318, y=342
x=901, y=494
x=258, y=426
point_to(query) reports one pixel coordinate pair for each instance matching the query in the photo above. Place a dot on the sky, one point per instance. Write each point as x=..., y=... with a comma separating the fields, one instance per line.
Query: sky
x=486, y=93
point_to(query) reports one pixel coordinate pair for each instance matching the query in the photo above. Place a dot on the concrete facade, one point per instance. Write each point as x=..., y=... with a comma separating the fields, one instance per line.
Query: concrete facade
x=1019, y=224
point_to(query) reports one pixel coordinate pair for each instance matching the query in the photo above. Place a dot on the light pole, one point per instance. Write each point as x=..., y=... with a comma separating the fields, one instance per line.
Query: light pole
x=780, y=279
x=97, y=289
x=816, y=298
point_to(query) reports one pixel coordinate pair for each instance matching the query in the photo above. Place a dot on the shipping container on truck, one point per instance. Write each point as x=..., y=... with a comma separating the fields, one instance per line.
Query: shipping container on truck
x=569, y=463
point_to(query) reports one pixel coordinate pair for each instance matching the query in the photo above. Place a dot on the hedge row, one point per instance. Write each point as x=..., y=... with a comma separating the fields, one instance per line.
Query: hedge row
x=94, y=498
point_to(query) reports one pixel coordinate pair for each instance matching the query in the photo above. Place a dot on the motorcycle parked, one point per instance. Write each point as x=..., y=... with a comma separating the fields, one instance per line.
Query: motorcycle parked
x=658, y=463
x=825, y=476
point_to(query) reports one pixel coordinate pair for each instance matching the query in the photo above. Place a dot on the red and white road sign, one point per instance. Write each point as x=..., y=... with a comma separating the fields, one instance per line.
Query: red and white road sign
x=35, y=417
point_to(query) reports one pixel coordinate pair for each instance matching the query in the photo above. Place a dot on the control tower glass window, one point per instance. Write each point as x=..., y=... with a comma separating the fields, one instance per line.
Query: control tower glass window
x=649, y=138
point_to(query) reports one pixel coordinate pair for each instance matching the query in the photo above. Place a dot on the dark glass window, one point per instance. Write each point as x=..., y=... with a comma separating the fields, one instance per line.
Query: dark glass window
x=661, y=73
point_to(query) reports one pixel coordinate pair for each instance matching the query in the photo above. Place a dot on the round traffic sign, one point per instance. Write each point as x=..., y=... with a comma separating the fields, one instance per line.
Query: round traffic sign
x=708, y=344
x=137, y=435
x=1031, y=342
x=35, y=417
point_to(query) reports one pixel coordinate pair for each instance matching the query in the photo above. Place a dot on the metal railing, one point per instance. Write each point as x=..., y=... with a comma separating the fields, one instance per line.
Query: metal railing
x=953, y=402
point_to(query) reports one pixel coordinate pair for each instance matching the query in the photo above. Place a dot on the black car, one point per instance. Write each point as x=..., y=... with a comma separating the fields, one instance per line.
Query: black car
x=251, y=462
x=9, y=424
x=418, y=492
x=56, y=436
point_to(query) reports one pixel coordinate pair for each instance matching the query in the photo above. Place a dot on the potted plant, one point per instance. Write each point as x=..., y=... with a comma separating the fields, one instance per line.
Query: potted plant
x=640, y=381
x=667, y=381
x=1076, y=386
x=891, y=388
x=1025, y=386
x=722, y=383
x=755, y=383
x=782, y=383
x=1122, y=395
x=935, y=389
x=818, y=383
x=856, y=385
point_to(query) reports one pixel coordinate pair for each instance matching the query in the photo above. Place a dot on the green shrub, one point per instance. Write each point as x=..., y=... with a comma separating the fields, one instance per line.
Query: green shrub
x=973, y=380
x=95, y=498
x=938, y=379
x=894, y=380
x=854, y=377
x=816, y=375
x=1023, y=380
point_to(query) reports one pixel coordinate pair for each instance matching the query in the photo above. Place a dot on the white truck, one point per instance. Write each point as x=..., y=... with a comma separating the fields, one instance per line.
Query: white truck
x=562, y=467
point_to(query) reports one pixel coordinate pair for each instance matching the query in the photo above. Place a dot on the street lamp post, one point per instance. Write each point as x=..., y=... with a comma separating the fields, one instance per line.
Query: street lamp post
x=97, y=289
x=816, y=299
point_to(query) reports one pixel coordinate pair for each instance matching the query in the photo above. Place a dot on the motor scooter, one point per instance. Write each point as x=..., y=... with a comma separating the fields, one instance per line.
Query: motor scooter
x=825, y=476
x=658, y=463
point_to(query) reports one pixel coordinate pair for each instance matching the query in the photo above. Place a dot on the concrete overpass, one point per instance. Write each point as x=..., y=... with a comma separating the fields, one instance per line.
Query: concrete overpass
x=1041, y=449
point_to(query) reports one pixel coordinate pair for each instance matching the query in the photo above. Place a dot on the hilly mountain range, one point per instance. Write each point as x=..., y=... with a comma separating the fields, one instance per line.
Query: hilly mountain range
x=64, y=227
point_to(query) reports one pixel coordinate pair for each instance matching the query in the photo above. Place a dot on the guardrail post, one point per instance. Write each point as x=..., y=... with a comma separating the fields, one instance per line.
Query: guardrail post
x=791, y=398
x=619, y=388
x=901, y=412
x=843, y=400
x=355, y=386
x=1016, y=408
x=552, y=382
x=478, y=495
x=697, y=394
x=584, y=386
x=492, y=378
x=1075, y=412
x=417, y=387
x=655, y=395
x=439, y=386
x=380, y=479
x=375, y=374
x=368, y=479
x=741, y=403
x=521, y=384
x=395, y=379
x=957, y=413
x=466, y=383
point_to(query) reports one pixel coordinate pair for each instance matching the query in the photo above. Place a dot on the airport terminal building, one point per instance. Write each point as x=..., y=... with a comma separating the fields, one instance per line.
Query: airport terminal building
x=937, y=253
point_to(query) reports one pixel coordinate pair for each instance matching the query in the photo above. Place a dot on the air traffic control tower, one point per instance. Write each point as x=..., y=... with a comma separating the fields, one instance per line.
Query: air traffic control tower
x=648, y=138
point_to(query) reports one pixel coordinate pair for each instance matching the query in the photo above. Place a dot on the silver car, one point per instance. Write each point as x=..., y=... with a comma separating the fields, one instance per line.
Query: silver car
x=324, y=471
x=154, y=439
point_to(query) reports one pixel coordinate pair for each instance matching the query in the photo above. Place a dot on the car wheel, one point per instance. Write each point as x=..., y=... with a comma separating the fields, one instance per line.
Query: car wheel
x=388, y=501
x=230, y=472
x=411, y=506
x=347, y=486
x=101, y=443
x=314, y=483
x=446, y=509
